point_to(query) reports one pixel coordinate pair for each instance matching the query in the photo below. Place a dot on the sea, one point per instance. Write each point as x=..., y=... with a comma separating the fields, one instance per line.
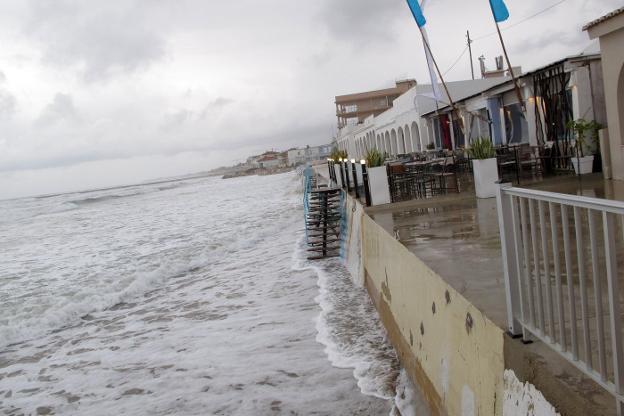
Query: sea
x=188, y=296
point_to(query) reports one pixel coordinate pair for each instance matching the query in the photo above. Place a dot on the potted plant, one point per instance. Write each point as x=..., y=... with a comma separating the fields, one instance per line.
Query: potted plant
x=583, y=163
x=484, y=166
x=377, y=177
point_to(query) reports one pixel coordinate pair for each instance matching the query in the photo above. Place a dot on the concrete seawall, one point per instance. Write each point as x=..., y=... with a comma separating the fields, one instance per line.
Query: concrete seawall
x=449, y=348
x=447, y=345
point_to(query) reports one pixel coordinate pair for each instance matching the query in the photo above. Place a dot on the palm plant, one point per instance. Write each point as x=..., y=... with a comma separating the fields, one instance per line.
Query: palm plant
x=375, y=158
x=337, y=154
x=581, y=127
x=482, y=148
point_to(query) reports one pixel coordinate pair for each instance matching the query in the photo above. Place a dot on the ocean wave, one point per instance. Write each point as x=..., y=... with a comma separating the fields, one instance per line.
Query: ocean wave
x=104, y=198
x=89, y=302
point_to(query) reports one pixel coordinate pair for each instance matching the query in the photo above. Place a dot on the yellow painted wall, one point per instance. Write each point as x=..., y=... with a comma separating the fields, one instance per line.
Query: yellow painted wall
x=457, y=347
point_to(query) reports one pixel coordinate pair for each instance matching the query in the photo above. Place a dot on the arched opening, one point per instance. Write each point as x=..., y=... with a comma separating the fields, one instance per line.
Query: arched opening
x=402, y=147
x=393, y=142
x=387, y=148
x=408, y=140
x=378, y=143
x=416, y=137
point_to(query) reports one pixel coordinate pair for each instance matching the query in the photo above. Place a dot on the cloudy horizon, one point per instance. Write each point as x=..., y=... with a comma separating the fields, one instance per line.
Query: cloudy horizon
x=96, y=94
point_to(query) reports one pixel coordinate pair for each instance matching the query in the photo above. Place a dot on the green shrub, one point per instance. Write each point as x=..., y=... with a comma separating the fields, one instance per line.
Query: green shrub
x=338, y=154
x=581, y=127
x=482, y=148
x=375, y=158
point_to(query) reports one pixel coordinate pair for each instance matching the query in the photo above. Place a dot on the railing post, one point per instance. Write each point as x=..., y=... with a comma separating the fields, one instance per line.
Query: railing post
x=332, y=172
x=615, y=318
x=505, y=223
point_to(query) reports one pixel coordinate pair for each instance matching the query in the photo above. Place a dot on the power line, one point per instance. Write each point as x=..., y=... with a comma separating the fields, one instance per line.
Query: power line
x=461, y=55
x=456, y=61
x=522, y=20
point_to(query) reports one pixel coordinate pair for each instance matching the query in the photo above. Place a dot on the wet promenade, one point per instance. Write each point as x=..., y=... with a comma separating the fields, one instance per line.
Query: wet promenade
x=457, y=236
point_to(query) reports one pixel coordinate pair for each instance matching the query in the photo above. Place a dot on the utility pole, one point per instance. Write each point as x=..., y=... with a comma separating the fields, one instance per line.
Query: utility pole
x=470, y=53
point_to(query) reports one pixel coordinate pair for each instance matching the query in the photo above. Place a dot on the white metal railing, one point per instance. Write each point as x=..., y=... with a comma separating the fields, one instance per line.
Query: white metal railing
x=562, y=280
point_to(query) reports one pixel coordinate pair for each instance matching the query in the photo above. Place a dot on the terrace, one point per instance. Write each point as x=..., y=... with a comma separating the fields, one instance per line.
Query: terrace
x=457, y=235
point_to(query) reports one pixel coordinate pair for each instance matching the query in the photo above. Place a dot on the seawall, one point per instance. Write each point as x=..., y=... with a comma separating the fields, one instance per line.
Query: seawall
x=449, y=348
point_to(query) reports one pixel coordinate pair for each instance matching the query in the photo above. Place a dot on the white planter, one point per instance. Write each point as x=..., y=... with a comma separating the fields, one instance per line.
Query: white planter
x=358, y=169
x=378, y=183
x=583, y=165
x=485, y=177
x=338, y=177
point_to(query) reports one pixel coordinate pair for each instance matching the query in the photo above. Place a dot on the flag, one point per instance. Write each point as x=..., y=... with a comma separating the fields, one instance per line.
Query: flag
x=437, y=94
x=417, y=12
x=499, y=10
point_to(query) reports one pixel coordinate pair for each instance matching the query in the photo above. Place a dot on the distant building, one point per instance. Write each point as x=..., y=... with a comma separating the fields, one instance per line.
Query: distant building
x=354, y=108
x=296, y=157
x=269, y=161
x=308, y=154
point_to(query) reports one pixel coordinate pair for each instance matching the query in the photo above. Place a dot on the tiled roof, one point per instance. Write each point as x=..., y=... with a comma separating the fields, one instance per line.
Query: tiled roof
x=603, y=18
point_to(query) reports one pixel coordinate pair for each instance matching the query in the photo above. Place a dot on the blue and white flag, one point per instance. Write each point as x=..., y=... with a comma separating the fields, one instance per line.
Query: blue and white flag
x=417, y=12
x=499, y=10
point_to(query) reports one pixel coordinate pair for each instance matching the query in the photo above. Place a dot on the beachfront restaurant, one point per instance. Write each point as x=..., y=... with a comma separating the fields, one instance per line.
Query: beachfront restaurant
x=554, y=95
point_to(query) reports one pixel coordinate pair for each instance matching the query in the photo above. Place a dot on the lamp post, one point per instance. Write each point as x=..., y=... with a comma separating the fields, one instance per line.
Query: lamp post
x=342, y=181
x=367, y=195
x=332, y=173
x=355, y=182
x=346, y=168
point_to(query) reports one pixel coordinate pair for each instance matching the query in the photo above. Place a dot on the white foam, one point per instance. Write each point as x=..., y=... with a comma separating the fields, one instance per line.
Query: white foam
x=346, y=307
x=408, y=400
x=86, y=301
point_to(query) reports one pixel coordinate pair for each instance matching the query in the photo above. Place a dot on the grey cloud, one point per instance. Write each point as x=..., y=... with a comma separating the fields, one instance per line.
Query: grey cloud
x=7, y=104
x=362, y=22
x=552, y=39
x=61, y=108
x=101, y=38
x=214, y=107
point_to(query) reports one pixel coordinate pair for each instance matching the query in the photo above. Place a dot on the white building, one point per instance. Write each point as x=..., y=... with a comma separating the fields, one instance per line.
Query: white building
x=269, y=161
x=308, y=154
x=401, y=129
x=296, y=157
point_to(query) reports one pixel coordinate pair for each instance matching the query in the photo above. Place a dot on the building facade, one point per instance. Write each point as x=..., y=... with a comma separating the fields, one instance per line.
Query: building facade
x=569, y=89
x=401, y=129
x=609, y=30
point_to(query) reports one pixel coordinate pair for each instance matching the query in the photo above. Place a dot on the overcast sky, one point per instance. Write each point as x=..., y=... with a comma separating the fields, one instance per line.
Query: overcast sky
x=98, y=93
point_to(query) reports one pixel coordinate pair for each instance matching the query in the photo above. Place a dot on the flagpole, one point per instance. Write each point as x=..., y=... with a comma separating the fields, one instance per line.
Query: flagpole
x=435, y=63
x=511, y=72
x=451, y=102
